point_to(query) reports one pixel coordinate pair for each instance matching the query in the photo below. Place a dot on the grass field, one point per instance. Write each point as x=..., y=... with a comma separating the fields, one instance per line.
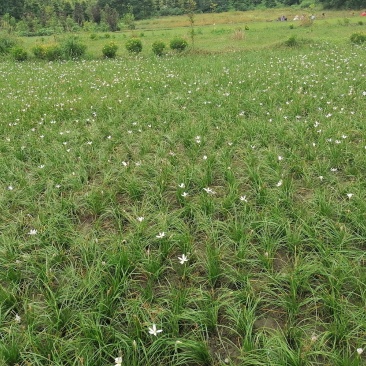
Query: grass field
x=201, y=209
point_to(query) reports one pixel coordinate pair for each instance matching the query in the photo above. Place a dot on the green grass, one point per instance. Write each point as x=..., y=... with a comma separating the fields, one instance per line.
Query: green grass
x=249, y=163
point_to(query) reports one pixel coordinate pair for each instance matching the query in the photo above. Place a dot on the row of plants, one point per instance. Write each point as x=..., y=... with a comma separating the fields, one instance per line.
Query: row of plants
x=73, y=48
x=134, y=46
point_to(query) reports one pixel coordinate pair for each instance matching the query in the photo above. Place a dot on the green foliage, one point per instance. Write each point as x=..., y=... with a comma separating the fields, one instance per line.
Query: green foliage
x=134, y=45
x=73, y=48
x=48, y=52
x=178, y=44
x=19, y=54
x=109, y=50
x=129, y=20
x=6, y=44
x=158, y=48
x=292, y=42
x=358, y=38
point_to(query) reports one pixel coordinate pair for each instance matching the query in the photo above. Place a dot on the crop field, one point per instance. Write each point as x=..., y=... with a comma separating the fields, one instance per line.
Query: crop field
x=195, y=209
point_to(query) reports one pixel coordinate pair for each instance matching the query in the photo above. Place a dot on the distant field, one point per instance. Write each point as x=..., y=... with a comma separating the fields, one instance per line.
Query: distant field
x=225, y=32
x=199, y=209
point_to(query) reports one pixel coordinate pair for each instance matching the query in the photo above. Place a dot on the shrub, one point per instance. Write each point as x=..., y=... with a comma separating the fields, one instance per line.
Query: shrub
x=73, y=48
x=109, y=50
x=19, y=54
x=158, y=48
x=134, y=45
x=49, y=52
x=292, y=42
x=178, y=44
x=6, y=43
x=358, y=38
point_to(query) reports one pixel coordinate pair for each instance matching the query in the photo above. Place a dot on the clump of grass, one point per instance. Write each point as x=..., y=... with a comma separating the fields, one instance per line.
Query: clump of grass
x=238, y=34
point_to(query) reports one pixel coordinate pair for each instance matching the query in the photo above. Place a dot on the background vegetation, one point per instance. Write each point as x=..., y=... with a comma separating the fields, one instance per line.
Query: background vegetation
x=32, y=17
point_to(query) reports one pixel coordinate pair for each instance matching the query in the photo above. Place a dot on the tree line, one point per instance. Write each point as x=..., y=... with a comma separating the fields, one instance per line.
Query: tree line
x=28, y=16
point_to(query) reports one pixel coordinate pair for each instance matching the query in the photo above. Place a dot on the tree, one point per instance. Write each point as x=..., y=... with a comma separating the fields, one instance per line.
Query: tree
x=8, y=22
x=95, y=13
x=14, y=8
x=78, y=14
x=190, y=8
x=111, y=17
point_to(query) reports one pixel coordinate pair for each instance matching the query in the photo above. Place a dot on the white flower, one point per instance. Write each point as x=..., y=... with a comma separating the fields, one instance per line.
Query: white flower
x=349, y=195
x=279, y=184
x=182, y=185
x=32, y=232
x=359, y=350
x=280, y=157
x=314, y=337
x=204, y=157
x=184, y=194
x=154, y=331
x=209, y=190
x=118, y=361
x=321, y=177
x=160, y=235
x=18, y=319
x=124, y=163
x=333, y=169
x=243, y=198
x=10, y=188
x=140, y=218
x=183, y=259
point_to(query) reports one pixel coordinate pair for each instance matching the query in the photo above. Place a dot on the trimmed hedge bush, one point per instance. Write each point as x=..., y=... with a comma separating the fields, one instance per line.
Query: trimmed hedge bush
x=134, y=45
x=158, y=48
x=109, y=50
x=178, y=44
x=48, y=52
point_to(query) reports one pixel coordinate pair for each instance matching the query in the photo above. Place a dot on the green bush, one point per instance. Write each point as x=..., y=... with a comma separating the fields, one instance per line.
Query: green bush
x=178, y=44
x=49, y=52
x=292, y=42
x=158, y=48
x=134, y=45
x=6, y=44
x=72, y=48
x=19, y=54
x=358, y=38
x=109, y=50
